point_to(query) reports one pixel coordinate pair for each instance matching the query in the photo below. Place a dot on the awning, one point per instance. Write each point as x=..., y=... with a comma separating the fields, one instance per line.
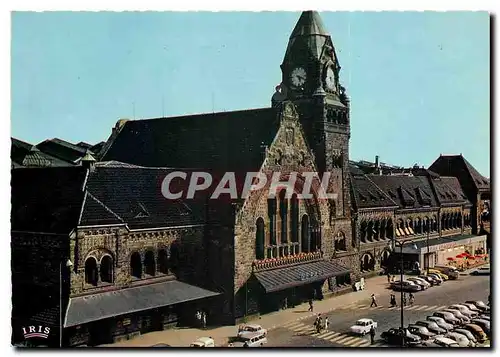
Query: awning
x=296, y=275
x=439, y=244
x=115, y=303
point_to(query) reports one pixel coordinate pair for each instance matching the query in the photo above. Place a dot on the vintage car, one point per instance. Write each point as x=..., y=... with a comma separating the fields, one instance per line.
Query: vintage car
x=445, y=342
x=481, y=271
x=246, y=329
x=203, y=342
x=421, y=331
x=393, y=336
x=363, y=326
x=250, y=339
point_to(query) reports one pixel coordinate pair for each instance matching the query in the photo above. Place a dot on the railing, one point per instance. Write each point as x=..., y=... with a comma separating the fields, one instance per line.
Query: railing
x=269, y=263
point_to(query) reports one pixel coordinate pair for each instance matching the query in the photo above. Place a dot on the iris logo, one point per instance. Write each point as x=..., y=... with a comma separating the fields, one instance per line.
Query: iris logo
x=36, y=331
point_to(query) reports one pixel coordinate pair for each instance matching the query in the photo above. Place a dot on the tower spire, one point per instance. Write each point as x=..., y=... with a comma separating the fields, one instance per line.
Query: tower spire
x=309, y=24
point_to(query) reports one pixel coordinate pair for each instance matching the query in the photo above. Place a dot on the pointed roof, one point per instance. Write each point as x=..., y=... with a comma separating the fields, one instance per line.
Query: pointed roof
x=458, y=166
x=309, y=24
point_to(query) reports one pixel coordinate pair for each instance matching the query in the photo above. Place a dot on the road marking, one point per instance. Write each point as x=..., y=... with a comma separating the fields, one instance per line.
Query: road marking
x=301, y=329
x=430, y=308
x=359, y=343
x=350, y=340
x=366, y=343
x=364, y=308
x=441, y=307
x=342, y=340
x=337, y=338
x=421, y=307
x=327, y=334
x=410, y=308
x=330, y=338
x=291, y=324
x=378, y=344
x=379, y=307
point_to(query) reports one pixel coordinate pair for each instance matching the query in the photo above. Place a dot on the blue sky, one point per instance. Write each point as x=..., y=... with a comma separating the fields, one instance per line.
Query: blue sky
x=418, y=81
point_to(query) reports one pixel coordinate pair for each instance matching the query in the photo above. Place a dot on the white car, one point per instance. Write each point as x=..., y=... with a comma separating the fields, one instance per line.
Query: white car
x=420, y=282
x=363, y=326
x=249, y=329
x=464, y=310
x=445, y=342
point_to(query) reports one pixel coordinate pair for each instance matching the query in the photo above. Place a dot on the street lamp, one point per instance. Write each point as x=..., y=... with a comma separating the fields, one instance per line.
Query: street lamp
x=392, y=247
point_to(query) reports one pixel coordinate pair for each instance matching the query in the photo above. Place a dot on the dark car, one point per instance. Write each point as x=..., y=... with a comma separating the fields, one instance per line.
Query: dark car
x=430, y=280
x=484, y=324
x=407, y=286
x=393, y=337
x=421, y=331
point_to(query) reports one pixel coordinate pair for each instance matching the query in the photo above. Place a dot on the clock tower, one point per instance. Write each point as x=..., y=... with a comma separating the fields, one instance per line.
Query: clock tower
x=310, y=78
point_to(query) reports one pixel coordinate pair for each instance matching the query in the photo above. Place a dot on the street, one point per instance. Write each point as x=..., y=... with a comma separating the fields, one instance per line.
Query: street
x=301, y=333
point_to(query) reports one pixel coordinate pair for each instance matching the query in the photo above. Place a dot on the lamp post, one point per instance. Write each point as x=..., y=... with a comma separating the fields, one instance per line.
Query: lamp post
x=392, y=247
x=68, y=264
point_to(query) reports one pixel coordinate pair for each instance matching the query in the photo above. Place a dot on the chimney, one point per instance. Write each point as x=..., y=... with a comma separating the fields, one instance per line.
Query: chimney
x=376, y=161
x=88, y=161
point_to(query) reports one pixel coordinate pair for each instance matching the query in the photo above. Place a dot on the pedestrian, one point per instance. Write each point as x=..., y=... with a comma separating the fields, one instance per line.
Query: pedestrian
x=372, y=335
x=311, y=307
x=412, y=299
x=374, y=301
x=326, y=323
x=204, y=319
x=388, y=277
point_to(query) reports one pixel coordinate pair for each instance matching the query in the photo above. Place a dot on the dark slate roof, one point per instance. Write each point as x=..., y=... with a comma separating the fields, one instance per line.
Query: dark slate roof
x=448, y=190
x=115, y=303
x=133, y=195
x=62, y=150
x=46, y=199
x=23, y=154
x=406, y=191
x=84, y=145
x=309, y=23
x=354, y=169
x=458, y=166
x=296, y=275
x=227, y=141
x=366, y=194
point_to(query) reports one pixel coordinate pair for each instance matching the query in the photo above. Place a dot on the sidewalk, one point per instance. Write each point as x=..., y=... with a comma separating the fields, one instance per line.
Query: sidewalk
x=183, y=337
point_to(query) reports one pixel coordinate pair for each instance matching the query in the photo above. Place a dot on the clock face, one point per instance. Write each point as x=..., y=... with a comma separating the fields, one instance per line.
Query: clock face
x=298, y=77
x=330, y=79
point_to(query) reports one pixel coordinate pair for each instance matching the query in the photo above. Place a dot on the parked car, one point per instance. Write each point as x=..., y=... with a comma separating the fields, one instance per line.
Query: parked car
x=393, y=336
x=203, y=342
x=460, y=339
x=471, y=306
x=251, y=328
x=481, y=271
x=463, y=309
x=440, y=322
x=479, y=304
x=463, y=319
x=447, y=317
x=422, y=283
x=421, y=331
x=251, y=339
x=466, y=333
x=431, y=326
x=451, y=272
x=484, y=317
x=363, y=326
x=436, y=276
x=476, y=331
x=445, y=342
x=440, y=273
x=430, y=280
x=406, y=286
x=484, y=324
x=428, y=343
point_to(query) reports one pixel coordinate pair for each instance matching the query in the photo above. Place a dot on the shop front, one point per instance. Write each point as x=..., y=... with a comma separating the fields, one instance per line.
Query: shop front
x=448, y=251
x=115, y=315
x=292, y=285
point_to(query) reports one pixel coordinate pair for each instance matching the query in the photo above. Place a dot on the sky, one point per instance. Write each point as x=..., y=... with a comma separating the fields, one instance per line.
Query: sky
x=419, y=82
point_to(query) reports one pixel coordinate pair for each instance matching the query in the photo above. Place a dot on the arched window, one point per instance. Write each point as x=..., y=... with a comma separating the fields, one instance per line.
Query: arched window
x=389, y=231
x=383, y=225
x=369, y=232
x=149, y=263
x=174, y=257
x=443, y=222
x=363, y=231
x=107, y=269
x=163, y=261
x=367, y=262
x=340, y=244
x=305, y=234
x=271, y=211
x=283, y=216
x=384, y=258
x=294, y=219
x=418, y=226
x=136, y=265
x=426, y=224
x=259, y=239
x=376, y=230
x=434, y=224
x=91, y=271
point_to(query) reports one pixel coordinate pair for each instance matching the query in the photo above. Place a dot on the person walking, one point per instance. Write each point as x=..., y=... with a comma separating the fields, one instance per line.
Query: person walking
x=204, y=319
x=311, y=307
x=388, y=277
x=412, y=299
x=326, y=323
x=374, y=301
x=372, y=335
